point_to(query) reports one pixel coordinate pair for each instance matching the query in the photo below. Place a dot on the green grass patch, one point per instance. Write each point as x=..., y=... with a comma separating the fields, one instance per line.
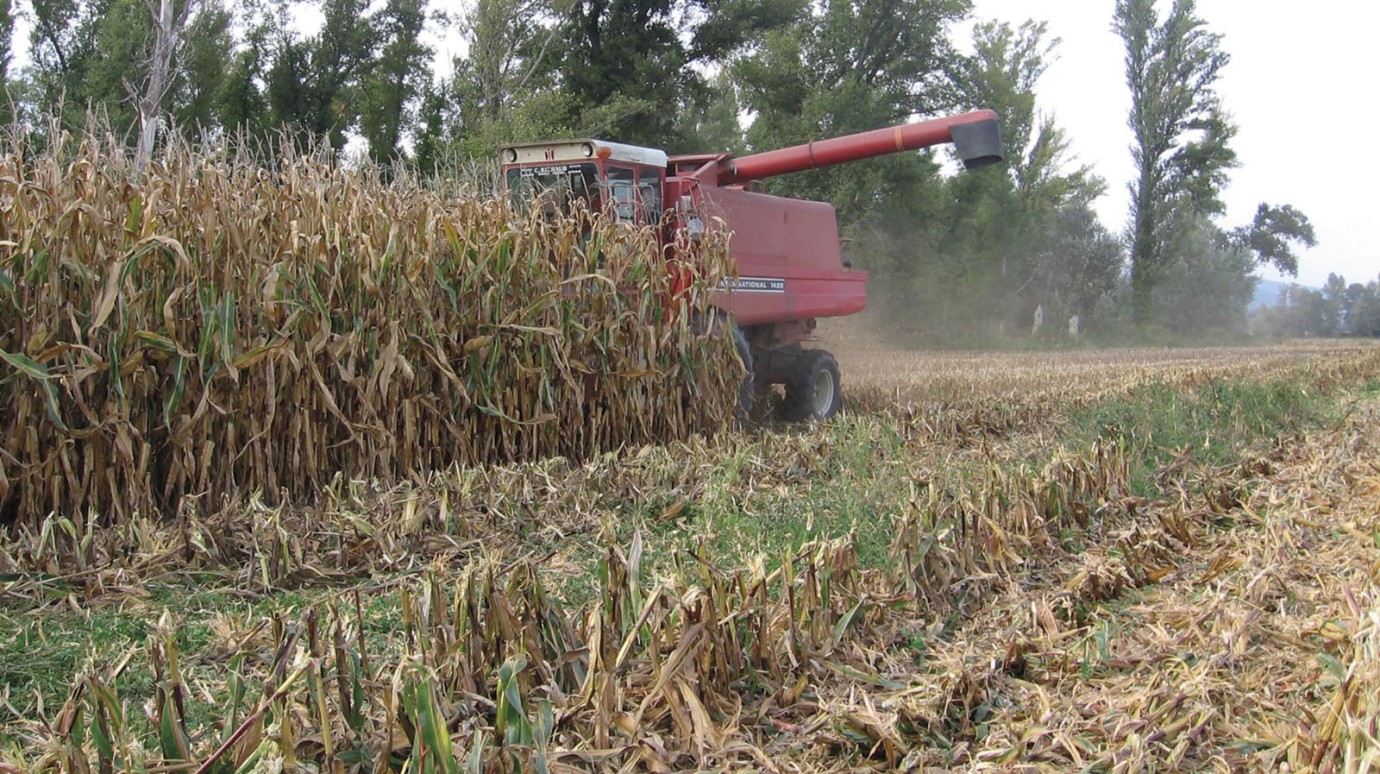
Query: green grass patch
x=1214, y=424
x=845, y=485
x=43, y=652
x=850, y=479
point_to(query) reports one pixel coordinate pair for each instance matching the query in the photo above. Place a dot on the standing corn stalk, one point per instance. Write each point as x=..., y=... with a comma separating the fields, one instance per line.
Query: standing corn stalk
x=209, y=327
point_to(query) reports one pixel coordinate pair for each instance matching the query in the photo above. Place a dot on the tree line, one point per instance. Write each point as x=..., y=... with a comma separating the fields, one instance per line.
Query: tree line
x=1339, y=308
x=966, y=256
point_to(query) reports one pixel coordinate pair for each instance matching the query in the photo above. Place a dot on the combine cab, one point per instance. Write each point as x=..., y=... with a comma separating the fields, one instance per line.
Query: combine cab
x=790, y=268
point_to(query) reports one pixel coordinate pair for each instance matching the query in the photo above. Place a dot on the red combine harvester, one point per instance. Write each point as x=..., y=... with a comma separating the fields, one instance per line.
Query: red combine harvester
x=790, y=268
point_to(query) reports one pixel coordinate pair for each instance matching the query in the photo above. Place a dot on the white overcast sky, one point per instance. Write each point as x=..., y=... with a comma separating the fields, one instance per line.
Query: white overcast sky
x=1298, y=86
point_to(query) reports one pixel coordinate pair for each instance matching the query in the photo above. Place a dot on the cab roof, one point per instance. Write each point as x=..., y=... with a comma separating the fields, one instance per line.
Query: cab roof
x=581, y=150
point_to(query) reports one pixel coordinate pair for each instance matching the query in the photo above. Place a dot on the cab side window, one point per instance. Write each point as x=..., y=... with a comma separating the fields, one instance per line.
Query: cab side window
x=622, y=194
x=649, y=182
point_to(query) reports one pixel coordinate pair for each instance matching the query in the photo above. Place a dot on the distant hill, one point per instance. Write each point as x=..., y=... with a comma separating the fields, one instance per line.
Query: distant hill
x=1267, y=293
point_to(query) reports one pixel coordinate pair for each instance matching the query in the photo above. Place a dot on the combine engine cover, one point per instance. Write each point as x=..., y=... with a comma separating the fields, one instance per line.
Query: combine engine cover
x=787, y=251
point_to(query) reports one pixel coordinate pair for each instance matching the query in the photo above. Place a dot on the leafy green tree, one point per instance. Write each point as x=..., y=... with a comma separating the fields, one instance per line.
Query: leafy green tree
x=292, y=102
x=201, y=78
x=80, y=52
x=509, y=42
x=629, y=67
x=1273, y=234
x=430, y=142
x=1363, y=309
x=715, y=125
x=1210, y=283
x=1019, y=236
x=775, y=84
x=1334, y=293
x=1001, y=74
x=312, y=86
x=1181, y=135
x=848, y=67
x=1337, y=309
x=505, y=89
x=1310, y=317
x=1209, y=286
x=124, y=33
x=1078, y=268
x=6, y=37
x=119, y=58
x=240, y=104
x=899, y=50
x=395, y=79
x=59, y=42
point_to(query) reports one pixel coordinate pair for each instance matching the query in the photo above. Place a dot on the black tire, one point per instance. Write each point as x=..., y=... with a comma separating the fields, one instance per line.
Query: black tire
x=813, y=392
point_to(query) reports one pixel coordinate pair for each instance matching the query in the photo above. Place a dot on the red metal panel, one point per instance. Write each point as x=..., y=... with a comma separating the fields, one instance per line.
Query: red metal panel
x=788, y=259
x=805, y=296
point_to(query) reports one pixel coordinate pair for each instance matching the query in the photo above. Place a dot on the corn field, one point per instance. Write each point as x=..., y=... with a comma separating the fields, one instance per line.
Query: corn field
x=219, y=327
x=306, y=471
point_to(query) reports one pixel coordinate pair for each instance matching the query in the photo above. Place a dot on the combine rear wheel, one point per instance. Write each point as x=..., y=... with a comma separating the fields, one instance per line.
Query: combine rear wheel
x=813, y=390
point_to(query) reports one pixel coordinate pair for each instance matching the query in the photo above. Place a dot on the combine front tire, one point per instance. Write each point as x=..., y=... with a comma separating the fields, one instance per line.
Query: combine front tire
x=813, y=390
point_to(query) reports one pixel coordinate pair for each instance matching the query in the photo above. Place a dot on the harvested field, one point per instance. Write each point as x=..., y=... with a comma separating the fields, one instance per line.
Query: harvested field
x=1107, y=561
x=881, y=374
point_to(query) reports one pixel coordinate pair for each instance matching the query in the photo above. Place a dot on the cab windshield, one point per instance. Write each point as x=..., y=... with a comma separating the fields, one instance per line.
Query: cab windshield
x=557, y=185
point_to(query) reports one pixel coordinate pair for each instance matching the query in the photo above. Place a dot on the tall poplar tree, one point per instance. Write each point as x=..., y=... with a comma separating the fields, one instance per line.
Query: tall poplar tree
x=313, y=86
x=1182, y=137
x=203, y=66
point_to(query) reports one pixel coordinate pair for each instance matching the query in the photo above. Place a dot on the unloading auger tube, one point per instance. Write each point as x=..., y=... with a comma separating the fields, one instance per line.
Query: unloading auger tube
x=976, y=137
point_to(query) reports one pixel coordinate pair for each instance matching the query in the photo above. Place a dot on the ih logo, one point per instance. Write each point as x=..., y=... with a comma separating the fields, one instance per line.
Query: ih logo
x=550, y=154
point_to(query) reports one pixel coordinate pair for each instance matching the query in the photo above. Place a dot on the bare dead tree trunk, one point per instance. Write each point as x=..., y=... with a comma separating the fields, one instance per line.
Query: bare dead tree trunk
x=167, y=34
